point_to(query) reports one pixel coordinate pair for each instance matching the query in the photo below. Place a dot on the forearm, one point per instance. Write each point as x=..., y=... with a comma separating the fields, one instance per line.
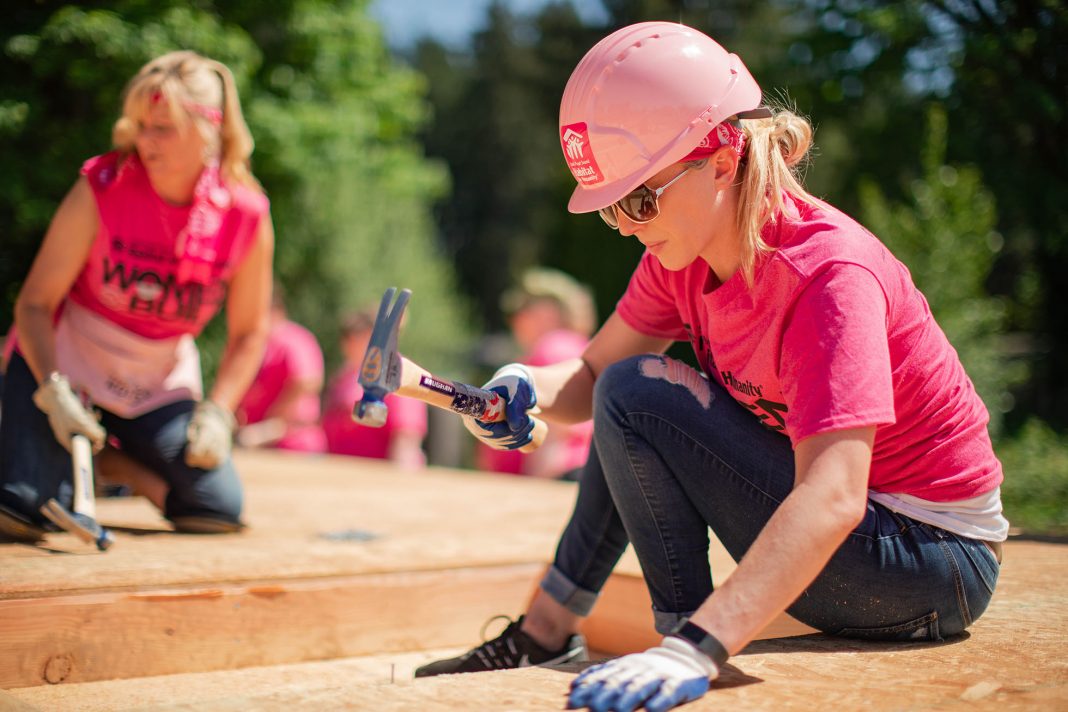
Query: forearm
x=37, y=340
x=565, y=391
x=238, y=366
x=827, y=503
x=786, y=557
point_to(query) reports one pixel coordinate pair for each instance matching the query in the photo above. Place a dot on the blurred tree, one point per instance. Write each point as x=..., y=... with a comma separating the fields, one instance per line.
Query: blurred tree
x=335, y=119
x=494, y=124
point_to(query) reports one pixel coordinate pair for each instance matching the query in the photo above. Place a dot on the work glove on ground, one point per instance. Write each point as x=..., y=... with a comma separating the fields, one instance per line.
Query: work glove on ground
x=673, y=673
x=515, y=384
x=209, y=436
x=66, y=414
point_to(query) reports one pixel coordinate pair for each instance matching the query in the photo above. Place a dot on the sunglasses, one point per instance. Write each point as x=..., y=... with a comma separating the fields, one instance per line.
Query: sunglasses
x=640, y=205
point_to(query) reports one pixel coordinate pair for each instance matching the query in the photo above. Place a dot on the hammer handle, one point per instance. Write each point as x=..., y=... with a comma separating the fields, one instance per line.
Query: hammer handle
x=479, y=403
x=82, y=470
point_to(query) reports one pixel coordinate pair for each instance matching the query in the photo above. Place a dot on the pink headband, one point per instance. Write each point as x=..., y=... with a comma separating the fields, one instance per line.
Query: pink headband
x=725, y=134
x=208, y=112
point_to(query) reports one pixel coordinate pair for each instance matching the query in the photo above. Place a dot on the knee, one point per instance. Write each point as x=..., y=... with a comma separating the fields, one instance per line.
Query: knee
x=614, y=385
x=651, y=381
x=216, y=494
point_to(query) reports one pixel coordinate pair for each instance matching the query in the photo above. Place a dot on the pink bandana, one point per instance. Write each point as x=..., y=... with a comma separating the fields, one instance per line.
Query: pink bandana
x=725, y=134
x=212, y=114
x=198, y=242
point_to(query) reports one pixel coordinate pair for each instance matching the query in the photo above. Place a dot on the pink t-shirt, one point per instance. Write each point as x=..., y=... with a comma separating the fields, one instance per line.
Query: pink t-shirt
x=832, y=335
x=292, y=353
x=345, y=436
x=152, y=270
x=571, y=442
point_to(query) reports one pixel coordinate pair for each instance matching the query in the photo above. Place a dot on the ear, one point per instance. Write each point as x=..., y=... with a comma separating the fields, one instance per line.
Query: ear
x=724, y=164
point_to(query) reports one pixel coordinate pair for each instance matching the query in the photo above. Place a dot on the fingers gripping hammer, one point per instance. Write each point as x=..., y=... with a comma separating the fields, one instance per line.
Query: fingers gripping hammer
x=385, y=370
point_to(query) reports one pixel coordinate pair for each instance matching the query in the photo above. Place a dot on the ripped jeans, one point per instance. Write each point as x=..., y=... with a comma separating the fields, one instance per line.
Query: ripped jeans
x=675, y=454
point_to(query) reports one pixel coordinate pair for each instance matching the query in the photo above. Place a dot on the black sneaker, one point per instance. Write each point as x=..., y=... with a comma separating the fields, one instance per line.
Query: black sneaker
x=511, y=649
x=16, y=527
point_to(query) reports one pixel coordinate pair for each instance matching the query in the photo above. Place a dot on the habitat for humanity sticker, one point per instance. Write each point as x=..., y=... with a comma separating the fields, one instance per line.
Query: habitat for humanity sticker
x=575, y=140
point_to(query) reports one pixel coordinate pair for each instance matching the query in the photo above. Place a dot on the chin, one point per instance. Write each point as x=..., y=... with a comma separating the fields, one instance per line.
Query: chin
x=673, y=264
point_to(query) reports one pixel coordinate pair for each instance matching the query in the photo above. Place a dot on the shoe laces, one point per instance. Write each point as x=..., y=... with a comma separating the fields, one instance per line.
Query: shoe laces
x=500, y=652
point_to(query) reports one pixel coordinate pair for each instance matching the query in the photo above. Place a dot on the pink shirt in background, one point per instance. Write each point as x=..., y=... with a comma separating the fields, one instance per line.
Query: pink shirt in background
x=832, y=335
x=152, y=270
x=345, y=436
x=292, y=353
x=571, y=443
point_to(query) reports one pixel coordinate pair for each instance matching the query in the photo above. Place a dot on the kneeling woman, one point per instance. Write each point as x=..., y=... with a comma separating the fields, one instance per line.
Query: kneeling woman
x=152, y=240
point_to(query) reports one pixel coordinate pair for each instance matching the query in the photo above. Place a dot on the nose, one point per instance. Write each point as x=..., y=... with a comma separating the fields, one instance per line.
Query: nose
x=626, y=226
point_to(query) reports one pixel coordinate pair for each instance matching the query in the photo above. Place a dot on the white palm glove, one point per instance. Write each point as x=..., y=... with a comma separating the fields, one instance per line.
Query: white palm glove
x=66, y=414
x=515, y=384
x=670, y=674
x=210, y=435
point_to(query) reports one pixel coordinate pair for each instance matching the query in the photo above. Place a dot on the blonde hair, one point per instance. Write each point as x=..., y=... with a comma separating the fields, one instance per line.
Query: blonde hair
x=194, y=87
x=776, y=152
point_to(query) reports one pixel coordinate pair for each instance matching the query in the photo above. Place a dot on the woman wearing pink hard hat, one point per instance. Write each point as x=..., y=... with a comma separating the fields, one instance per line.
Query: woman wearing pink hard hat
x=832, y=440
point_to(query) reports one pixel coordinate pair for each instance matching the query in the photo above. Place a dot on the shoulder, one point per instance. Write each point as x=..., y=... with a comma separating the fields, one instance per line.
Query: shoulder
x=294, y=335
x=248, y=200
x=556, y=346
x=822, y=236
x=109, y=169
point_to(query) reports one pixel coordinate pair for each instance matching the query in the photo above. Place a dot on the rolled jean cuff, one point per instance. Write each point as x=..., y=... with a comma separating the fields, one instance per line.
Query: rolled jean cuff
x=666, y=622
x=567, y=593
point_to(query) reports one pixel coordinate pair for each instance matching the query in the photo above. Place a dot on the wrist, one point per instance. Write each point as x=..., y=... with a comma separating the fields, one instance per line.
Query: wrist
x=702, y=640
x=225, y=413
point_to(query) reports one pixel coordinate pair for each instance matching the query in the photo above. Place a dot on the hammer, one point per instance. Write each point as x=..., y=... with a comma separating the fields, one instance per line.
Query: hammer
x=385, y=370
x=82, y=520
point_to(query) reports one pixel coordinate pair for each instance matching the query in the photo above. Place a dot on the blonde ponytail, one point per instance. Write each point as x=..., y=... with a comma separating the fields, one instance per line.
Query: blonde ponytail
x=776, y=151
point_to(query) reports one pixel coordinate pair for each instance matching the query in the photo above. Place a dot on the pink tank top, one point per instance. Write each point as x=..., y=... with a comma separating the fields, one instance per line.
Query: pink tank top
x=159, y=270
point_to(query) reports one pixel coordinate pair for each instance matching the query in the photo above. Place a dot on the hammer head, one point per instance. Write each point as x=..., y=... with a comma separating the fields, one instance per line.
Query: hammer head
x=380, y=372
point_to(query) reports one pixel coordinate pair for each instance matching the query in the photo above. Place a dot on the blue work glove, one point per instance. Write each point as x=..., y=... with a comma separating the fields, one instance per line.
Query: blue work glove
x=673, y=673
x=515, y=384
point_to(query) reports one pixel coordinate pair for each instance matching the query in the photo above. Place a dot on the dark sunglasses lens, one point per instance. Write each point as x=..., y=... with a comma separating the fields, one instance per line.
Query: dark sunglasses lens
x=640, y=205
x=608, y=214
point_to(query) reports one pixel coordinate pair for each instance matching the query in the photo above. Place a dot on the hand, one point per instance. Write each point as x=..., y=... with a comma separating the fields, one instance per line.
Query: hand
x=210, y=435
x=516, y=384
x=66, y=414
x=671, y=674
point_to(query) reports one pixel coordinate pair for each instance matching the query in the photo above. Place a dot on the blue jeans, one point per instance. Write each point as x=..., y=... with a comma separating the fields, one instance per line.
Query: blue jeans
x=35, y=467
x=665, y=468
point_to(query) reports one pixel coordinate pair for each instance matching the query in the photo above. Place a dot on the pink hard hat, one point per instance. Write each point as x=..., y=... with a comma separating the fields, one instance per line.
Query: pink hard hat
x=642, y=99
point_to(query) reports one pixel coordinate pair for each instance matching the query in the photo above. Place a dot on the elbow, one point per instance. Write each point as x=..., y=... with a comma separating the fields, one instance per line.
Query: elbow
x=846, y=510
x=29, y=311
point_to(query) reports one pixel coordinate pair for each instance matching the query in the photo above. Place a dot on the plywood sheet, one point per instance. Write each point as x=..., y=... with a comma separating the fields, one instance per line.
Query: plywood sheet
x=1011, y=660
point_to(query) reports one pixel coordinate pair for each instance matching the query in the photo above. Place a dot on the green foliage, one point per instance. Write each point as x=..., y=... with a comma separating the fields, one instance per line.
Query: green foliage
x=946, y=236
x=335, y=119
x=1035, y=490
x=494, y=123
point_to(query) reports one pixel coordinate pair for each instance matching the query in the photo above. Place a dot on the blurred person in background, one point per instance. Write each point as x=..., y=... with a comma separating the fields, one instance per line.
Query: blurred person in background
x=153, y=239
x=281, y=408
x=401, y=438
x=551, y=316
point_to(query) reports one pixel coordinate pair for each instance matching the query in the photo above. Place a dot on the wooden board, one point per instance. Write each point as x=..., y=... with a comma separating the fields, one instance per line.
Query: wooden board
x=1012, y=660
x=448, y=550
